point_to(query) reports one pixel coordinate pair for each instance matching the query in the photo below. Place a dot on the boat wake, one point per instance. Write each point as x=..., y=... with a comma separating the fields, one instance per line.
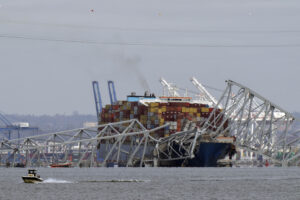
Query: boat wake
x=53, y=180
x=116, y=181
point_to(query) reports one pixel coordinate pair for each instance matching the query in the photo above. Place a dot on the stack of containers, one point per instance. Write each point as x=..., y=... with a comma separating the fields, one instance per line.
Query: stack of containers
x=180, y=115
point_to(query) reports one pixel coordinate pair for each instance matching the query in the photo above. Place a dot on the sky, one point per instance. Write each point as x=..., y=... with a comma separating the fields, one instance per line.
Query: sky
x=51, y=51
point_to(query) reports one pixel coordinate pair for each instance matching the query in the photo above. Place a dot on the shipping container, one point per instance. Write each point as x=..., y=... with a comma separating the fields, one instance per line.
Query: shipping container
x=180, y=115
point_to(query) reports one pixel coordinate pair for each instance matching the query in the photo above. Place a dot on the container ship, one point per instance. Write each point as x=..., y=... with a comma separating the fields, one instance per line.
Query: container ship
x=182, y=114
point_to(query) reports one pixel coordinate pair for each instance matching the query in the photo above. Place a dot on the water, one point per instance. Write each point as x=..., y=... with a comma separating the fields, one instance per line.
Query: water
x=153, y=183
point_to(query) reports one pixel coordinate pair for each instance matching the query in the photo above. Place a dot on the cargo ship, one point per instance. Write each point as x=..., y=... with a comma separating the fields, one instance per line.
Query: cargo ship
x=182, y=114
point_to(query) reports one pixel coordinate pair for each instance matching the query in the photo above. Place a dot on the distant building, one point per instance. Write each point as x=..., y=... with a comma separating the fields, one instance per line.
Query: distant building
x=21, y=124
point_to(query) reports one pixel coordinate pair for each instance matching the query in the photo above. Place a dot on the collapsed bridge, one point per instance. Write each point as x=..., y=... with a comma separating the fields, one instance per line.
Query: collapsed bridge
x=257, y=124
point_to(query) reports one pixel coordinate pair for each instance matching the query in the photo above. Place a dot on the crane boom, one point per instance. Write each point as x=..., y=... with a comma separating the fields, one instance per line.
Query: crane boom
x=97, y=97
x=204, y=94
x=5, y=120
x=171, y=89
x=112, y=92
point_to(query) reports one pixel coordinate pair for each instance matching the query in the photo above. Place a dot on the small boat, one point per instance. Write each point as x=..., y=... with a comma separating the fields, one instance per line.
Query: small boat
x=59, y=165
x=32, y=177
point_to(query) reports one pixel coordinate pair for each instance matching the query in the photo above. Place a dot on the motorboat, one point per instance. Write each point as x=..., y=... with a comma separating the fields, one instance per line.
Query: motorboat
x=32, y=177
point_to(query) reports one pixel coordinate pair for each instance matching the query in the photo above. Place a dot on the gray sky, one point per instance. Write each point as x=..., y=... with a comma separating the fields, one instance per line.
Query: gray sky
x=50, y=51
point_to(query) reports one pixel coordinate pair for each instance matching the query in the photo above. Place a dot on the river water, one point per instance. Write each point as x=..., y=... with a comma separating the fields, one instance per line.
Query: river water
x=153, y=183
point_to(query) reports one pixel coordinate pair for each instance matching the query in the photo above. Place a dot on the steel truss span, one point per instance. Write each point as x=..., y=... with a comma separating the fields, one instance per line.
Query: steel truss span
x=257, y=124
x=125, y=143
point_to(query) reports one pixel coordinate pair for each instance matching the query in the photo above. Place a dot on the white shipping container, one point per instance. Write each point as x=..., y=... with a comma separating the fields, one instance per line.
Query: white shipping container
x=90, y=124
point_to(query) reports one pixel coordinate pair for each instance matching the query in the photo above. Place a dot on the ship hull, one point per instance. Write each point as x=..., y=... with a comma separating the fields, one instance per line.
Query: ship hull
x=207, y=155
x=29, y=179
